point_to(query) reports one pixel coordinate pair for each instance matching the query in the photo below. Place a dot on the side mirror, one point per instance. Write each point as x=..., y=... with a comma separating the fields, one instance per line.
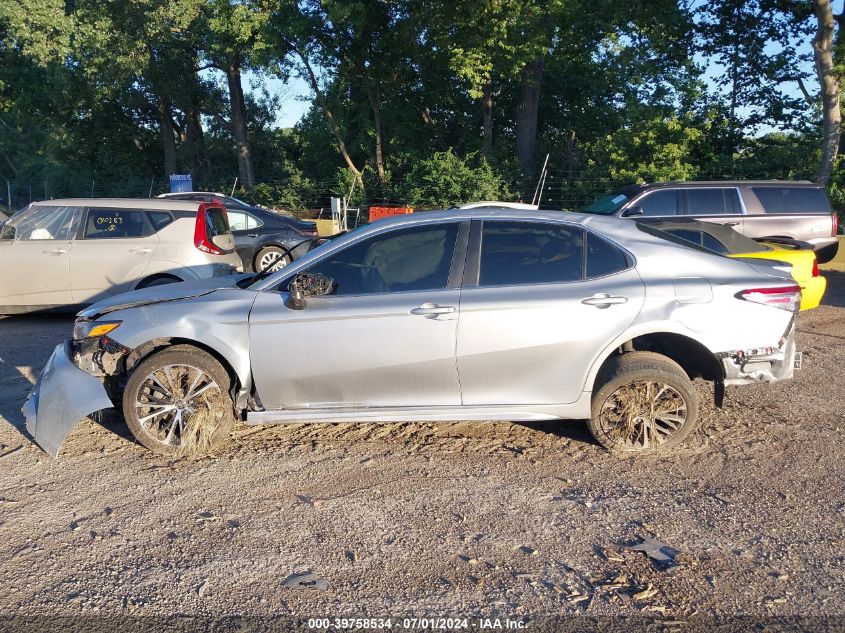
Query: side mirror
x=307, y=285
x=632, y=211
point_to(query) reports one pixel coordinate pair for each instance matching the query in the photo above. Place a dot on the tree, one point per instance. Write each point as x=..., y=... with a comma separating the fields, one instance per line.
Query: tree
x=829, y=56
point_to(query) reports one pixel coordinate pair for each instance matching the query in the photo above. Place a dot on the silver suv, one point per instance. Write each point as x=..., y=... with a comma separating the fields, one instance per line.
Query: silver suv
x=460, y=315
x=60, y=253
x=758, y=209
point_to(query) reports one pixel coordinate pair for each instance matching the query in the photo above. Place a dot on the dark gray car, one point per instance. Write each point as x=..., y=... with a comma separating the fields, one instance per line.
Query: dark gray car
x=757, y=209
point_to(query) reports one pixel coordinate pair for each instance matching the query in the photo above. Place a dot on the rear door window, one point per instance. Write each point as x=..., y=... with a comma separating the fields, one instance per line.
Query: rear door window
x=241, y=221
x=795, y=200
x=659, y=203
x=603, y=258
x=116, y=223
x=516, y=253
x=712, y=201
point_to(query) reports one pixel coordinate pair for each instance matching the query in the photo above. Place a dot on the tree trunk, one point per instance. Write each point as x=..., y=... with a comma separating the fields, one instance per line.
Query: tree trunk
x=374, y=99
x=168, y=137
x=236, y=98
x=830, y=87
x=526, y=115
x=321, y=101
x=487, y=117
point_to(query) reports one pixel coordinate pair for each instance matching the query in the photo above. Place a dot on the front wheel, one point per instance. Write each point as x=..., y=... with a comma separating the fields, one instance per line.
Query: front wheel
x=644, y=403
x=177, y=402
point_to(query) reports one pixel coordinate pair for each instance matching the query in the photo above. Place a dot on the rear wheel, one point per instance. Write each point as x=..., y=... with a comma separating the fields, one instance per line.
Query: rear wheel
x=271, y=259
x=177, y=402
x=645, y=403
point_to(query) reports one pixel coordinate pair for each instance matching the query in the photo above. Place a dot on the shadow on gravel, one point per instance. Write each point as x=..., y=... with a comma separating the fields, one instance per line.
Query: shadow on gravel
x=574, y=430
x=835, y=294
x=35, y=336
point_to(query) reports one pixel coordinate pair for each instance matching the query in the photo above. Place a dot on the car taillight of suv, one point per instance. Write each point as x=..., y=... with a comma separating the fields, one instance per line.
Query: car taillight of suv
x=835, y=224
x=212, y=234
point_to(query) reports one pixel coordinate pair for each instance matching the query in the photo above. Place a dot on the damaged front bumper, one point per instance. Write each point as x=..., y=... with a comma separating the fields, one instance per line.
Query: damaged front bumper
x=63, y=395
x=767, y=365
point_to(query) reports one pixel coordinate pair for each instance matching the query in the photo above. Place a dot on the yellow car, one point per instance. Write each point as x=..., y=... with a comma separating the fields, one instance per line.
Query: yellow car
x=724, y=240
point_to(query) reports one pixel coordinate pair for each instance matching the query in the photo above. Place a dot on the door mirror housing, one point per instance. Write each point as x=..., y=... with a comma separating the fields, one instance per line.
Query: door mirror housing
x=306, y=285
x=635, y=210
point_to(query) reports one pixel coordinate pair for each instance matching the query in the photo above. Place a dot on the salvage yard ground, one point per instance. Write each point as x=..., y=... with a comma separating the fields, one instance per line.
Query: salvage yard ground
x=462, y=519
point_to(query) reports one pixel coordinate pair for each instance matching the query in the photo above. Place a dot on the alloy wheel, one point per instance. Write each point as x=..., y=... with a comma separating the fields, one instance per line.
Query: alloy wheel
x=642, y=415
x=168, y=398
x=272, y=261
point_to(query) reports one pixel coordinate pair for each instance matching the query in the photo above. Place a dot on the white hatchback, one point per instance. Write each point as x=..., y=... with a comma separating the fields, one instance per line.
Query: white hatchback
x=72, y=252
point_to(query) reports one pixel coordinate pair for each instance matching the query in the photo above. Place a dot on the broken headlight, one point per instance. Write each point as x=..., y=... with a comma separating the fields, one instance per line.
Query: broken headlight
x=93, y=329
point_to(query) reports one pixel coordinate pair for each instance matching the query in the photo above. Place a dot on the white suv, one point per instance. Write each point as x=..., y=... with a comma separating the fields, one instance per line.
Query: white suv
x=63, y=253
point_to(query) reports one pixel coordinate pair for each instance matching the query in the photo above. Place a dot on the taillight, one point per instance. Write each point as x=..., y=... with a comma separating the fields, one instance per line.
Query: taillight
x=815, y=267
x=783, y=297
x=201, y=240
x=835, y=224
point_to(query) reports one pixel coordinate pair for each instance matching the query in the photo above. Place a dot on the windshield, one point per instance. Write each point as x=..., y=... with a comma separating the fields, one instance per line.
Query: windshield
x=608, y=204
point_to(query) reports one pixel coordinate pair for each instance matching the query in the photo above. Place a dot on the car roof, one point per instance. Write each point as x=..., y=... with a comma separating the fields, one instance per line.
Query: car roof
x=191, y=193
x=125, y=203
x=495, y=204
x=636, y=188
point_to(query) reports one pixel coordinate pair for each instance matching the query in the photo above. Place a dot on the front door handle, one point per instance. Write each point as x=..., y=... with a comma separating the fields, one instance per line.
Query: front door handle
x=432, y=310
x=58, y=251
x=603, y=300
x=143, y=250
x=731, y=223
x=252, y=234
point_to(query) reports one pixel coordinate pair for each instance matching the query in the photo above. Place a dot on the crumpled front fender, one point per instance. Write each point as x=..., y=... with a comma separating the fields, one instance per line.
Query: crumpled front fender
x=62, y=396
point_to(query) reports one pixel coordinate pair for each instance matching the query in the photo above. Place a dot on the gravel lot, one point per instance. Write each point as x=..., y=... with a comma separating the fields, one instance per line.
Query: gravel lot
x=519, y=521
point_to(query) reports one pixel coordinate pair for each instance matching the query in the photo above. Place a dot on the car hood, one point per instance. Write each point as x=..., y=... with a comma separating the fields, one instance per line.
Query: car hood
x=159, y=294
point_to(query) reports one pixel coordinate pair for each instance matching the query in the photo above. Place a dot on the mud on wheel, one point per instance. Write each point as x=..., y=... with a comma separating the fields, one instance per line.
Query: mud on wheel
x=177, y=403
x=644, y=403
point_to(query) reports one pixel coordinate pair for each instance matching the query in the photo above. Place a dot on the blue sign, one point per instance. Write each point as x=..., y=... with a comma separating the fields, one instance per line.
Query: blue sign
x=180, y=183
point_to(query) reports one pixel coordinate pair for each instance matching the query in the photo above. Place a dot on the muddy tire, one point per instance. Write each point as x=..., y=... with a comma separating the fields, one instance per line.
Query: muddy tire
x=271, y=258
x=177, y=403
x=644, y=403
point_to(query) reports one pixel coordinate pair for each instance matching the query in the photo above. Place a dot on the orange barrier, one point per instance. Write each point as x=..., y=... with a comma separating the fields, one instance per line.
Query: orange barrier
x=379, y=213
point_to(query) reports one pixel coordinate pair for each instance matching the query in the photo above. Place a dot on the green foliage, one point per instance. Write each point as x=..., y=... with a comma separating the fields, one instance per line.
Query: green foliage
x=446, y=180
x=91, y=90
x=655, y=149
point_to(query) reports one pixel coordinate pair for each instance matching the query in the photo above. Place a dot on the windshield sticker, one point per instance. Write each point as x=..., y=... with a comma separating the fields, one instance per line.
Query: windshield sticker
x=619, y=198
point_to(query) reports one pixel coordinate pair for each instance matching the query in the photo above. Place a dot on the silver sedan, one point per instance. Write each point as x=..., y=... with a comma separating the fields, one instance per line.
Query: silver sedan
x=477, y=314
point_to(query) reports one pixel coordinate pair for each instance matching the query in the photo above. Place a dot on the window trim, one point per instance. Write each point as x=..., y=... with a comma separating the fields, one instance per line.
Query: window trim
x=149, y=229
x=472, y=272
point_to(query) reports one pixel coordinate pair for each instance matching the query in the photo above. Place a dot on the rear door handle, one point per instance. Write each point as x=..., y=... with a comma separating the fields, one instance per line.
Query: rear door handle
x=603, y=300
x=432, y=310
x=142, y=250
x=731, y=223
x=58, y=251
x=252, y=234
